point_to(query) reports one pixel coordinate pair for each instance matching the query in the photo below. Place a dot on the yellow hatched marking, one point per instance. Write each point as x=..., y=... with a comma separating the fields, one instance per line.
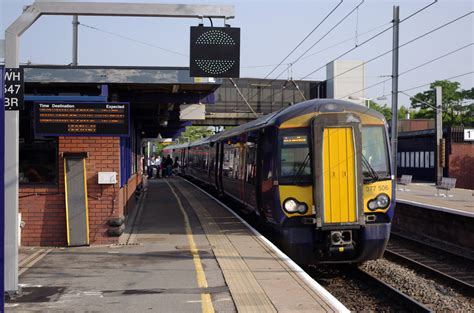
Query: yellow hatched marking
x=206, y=302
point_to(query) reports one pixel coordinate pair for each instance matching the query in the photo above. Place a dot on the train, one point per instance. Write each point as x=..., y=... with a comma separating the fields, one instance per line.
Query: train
x=317, y=174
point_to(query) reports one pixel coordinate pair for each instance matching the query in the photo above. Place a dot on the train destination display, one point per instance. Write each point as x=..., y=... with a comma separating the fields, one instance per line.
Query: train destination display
x=73, y=119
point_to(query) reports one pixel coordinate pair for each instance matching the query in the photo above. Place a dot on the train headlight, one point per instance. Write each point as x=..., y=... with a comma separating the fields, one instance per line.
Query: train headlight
x=382, y=201
x=292, y=206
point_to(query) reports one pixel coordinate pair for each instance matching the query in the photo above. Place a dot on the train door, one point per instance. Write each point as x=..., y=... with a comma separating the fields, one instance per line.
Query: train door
x=259, y=169
x=337, y=172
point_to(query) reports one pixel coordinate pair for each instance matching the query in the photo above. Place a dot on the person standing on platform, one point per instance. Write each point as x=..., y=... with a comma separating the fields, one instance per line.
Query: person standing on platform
x=158, y=166
x=168, y=164
x=176, y=166
x=149, y=168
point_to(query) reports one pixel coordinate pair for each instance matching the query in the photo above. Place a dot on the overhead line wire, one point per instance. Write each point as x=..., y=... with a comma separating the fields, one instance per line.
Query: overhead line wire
x=327, y=33
x=132, y=39
x=406, y=43
x=361, y=44
x=371, y=38
x=326, y=48
x=346, y=40
x=304, y=39
x=413, y=68
x=452, y=77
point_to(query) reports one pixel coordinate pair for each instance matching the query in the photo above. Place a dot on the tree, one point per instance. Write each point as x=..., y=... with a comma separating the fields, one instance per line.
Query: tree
x=457, y=104
x=403, y=111
x=384, y=109
x=193, y=133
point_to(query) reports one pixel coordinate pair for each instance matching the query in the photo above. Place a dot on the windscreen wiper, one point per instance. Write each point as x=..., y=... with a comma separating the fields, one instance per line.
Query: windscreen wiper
x=297, y=177
x=370, y=170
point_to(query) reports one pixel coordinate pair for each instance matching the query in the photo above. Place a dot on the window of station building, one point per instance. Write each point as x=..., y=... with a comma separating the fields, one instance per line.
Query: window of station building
x=38, y=158
x=402, y=159
x=417, y=159
x=38, y=161
x=432, y=159
x=422, y=159
x=412, y=159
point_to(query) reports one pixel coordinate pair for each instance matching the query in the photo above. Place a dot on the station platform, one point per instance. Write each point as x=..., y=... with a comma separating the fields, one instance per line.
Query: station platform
x=459, y=201
x=186, y=252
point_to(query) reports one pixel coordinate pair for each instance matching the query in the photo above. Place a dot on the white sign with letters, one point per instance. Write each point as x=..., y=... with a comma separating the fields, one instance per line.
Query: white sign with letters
x=13, y=89
x=469, y=134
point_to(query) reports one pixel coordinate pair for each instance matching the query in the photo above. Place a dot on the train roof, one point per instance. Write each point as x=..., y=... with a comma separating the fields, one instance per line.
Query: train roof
x=316, y=105
x=278, y=117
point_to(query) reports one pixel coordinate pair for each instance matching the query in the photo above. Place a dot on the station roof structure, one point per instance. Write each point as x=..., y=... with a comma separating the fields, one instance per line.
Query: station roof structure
x=155, y=93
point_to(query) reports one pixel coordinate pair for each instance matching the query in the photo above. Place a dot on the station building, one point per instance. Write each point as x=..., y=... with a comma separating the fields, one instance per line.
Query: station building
x=156, y=97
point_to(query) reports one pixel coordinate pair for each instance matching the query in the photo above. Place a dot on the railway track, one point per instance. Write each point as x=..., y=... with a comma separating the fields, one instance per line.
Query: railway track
x=453, y=270
x=359, y=290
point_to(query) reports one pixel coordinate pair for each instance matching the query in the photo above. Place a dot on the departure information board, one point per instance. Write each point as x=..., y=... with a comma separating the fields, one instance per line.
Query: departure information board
x=82, y=119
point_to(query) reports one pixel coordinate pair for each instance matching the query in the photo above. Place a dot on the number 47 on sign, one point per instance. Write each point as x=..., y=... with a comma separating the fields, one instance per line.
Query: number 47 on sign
x=13, y=89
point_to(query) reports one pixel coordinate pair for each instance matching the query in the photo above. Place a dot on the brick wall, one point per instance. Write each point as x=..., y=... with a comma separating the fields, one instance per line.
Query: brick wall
x=461, y=164
x=43, y=209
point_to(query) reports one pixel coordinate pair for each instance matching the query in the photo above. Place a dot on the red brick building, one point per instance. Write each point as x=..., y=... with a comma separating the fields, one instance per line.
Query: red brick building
x=154, y=95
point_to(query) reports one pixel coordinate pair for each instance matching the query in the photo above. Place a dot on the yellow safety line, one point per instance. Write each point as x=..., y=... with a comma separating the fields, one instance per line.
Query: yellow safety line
x=67, y=208
x=86, y=200
x=206, y=302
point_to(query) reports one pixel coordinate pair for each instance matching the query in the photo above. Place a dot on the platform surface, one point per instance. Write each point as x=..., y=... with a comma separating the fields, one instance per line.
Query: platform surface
x=215, y=264
x=458, y=201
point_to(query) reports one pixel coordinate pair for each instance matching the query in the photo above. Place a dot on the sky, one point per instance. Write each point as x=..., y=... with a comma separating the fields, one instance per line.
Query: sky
x=270, y=30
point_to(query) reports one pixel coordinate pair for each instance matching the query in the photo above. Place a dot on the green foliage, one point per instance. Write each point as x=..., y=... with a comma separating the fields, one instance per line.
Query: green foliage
x=457, y=105
x=194, y=133
x=384, y=109
x=402, y=112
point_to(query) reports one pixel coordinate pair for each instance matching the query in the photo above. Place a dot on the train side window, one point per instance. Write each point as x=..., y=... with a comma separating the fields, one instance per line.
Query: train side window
x=427, y=159
x=402, y=163
x=422, y=159
x=432, y=159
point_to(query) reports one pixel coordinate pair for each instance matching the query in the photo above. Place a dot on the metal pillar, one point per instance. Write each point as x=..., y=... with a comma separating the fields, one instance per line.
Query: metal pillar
x=396, y=22
x=12, y=48
x=75, y=33
x=439, y=132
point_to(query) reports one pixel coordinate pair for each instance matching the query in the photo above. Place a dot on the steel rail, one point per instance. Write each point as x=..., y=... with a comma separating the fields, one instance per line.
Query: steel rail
x=432, y=245
x=464, y=287
x=411, y=304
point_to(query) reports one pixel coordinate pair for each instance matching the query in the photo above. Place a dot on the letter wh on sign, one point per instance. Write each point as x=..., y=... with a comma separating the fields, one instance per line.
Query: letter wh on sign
x=14, y=90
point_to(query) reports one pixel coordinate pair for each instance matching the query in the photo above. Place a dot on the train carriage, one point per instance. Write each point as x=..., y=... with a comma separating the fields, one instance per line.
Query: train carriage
x=318, y=173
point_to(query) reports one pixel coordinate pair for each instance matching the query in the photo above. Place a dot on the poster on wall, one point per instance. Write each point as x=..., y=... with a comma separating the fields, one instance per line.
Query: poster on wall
x=82, y=119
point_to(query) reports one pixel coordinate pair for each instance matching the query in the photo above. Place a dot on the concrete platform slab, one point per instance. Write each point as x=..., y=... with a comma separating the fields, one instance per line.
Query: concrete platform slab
x=459, y=201
x=187, y=254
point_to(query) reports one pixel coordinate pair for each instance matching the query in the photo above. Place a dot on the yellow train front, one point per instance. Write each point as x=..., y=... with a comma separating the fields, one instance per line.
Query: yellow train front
x=317, y=173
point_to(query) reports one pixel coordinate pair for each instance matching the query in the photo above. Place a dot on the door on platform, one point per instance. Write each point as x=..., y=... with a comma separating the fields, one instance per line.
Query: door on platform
x=75, y=183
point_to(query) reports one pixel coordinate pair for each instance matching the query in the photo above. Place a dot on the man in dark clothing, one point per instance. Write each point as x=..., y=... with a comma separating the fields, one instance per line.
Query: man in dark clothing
x=168, y=165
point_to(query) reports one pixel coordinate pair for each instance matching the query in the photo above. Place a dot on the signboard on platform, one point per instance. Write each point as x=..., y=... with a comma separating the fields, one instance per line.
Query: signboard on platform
x=2, y=184
x=215, y=52
x=469, y=134
x=192, y=112
x=81, y=119
x=14, y=89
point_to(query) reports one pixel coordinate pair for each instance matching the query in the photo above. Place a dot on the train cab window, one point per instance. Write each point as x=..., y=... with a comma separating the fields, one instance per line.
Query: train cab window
x=374, y=150
x=295, y=162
